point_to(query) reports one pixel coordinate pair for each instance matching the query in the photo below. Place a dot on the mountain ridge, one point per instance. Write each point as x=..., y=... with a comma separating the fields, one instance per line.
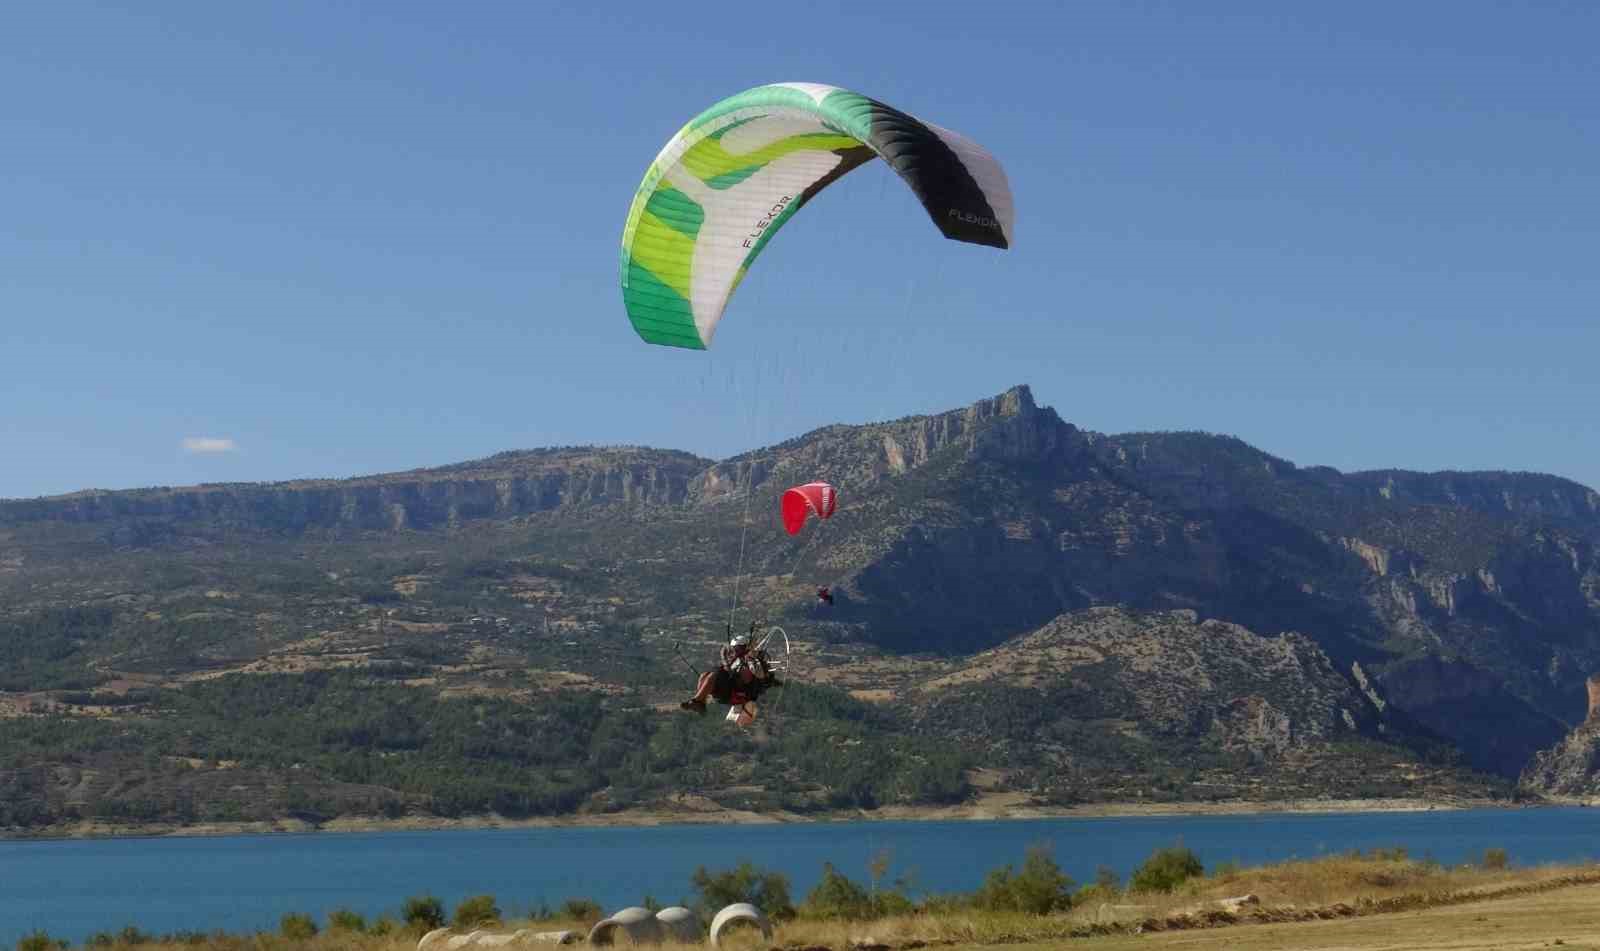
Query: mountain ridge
x=1015, y=401
x=1467, y=603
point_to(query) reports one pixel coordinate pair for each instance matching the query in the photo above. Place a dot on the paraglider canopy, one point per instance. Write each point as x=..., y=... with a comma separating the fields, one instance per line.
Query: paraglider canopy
x=813, y=498
x=735, y=174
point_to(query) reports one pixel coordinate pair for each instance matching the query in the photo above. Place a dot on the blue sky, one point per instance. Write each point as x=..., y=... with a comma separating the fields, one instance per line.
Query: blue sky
x=360, y=237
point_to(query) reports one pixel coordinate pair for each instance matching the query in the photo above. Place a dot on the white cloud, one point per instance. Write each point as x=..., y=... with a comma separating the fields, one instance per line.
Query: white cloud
x=208, y=444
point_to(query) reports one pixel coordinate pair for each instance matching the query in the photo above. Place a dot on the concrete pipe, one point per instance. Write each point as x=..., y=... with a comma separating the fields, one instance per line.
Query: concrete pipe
x=548, y=937
x=638, y=924
x=680, y=924
x=741, y=913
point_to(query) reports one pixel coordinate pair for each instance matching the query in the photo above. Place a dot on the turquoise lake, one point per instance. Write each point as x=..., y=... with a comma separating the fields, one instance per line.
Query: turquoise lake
x=246, y=883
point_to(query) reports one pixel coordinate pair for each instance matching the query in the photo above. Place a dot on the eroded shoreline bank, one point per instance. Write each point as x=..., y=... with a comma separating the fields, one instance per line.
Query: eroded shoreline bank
x=693, y=810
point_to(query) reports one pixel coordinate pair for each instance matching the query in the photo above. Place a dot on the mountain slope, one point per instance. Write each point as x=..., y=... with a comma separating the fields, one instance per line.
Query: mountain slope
x=1468, y=605
x=1463, y=593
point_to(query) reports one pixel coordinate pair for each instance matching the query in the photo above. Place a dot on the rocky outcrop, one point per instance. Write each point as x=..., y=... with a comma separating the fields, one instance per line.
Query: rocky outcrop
x=1571, y=769
x=1110, y=704
x=1010, y=426
x=1179, y=675
x=1518, y=494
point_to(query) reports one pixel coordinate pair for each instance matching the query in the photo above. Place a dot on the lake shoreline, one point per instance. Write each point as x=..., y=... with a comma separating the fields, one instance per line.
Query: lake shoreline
x=695, y=810
x=242, y=884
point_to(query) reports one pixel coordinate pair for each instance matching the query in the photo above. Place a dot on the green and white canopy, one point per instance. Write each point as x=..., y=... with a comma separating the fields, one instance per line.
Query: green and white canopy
x=729, y=179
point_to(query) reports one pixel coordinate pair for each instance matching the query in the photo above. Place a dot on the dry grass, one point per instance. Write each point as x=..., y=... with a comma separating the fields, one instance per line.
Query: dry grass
x=1566, y=919
x=1351, y=880
x=1366, y=898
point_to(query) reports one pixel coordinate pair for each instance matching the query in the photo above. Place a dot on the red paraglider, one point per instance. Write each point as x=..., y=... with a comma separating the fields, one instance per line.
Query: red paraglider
x=813, y=498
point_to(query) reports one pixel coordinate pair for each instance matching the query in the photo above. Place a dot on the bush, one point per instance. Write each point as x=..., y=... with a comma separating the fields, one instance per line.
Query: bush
x=836, y=897
x=39, y=941
x=768, y=891
x=297, y=927
x=343, y=919
x=582, y=909
x=475, y=912
x=381, y=928
x=936, y=906
x=1094, y=895
x=889, y=904
x=1107, y=887
x=995, y=895
x=1494, y=858
x=1040, y=888
x=1165, y=870
x=423, y=911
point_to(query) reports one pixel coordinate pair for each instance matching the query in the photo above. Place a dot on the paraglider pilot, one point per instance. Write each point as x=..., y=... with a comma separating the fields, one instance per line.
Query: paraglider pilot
x=739, y=678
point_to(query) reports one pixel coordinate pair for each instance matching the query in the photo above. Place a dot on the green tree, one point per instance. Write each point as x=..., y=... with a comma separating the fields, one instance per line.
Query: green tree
x=768, y=891
x=836, y=896
x=297, y=927
x=343, y=919
x=1166, y=869
x=1040, y=888
x=424, y=912
x=581, y=909
x=477, y=911
x=39, y=941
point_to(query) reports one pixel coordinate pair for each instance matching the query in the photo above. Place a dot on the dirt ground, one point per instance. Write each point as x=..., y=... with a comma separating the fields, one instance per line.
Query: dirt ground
x=1567, y=918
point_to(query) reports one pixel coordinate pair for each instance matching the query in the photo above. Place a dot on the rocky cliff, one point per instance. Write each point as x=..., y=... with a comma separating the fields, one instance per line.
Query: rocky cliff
x=1571, y=769
x=1470, y=598
x=1178, y=675
x=1097, y=703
